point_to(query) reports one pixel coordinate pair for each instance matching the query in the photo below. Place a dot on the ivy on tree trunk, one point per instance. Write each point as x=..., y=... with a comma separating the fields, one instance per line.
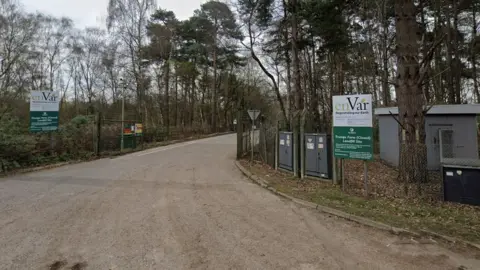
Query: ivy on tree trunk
x=413, y=154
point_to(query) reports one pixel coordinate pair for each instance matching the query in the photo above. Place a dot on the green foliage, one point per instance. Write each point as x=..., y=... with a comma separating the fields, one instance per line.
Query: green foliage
x=261, y=11
x=15, y=142
x=327, y=21
x=20, y=148
x=222, y=20
x=79, y=120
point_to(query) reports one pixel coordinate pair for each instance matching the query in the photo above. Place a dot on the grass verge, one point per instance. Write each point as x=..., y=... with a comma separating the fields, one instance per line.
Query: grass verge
x=454, y=220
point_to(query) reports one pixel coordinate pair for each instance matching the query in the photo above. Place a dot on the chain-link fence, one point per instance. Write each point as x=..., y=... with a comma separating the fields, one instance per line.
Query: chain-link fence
x=417, y=172
x=418, y=176
x=266, y=143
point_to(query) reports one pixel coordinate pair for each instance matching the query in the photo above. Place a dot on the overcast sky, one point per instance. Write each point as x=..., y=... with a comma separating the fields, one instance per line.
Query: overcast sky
x=93, y=12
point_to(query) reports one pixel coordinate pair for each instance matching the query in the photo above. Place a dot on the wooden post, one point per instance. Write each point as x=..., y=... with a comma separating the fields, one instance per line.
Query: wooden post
x=365, y=171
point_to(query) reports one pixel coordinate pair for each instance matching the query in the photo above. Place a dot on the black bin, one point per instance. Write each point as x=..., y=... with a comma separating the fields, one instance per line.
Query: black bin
x=461, y=184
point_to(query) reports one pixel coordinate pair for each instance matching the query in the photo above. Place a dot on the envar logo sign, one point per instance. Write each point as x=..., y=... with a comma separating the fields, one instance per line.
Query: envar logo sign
x=352, y=111
x=44, y=107
x=353, y=104
x=352, y=127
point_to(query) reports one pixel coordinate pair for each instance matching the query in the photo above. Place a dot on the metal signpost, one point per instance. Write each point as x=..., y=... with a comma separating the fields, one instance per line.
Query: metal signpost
x=44, y=107
x=352, y=129
x=253, y=115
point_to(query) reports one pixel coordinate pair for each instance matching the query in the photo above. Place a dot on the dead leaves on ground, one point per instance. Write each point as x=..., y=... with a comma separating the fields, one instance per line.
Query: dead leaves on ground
x=387, y=202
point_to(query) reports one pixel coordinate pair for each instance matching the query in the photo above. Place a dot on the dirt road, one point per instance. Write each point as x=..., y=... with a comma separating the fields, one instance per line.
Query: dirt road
x=183, y=206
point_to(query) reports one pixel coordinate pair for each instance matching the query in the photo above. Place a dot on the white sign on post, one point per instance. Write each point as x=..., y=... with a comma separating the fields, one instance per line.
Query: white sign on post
x=44, y=107
x=352, y=111
x=253, y=114
x=44, y=101
x=353, y=129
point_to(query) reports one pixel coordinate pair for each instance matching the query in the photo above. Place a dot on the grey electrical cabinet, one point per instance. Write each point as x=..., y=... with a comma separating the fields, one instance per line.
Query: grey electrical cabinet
x=318, y=160
x=285, y=150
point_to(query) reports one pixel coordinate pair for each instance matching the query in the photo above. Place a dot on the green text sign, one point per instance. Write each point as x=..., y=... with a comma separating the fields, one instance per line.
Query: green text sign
x=43, y=121
x=353, y=142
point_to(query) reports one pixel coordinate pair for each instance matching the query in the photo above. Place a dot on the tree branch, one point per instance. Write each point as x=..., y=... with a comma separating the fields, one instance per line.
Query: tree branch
x=427, y=58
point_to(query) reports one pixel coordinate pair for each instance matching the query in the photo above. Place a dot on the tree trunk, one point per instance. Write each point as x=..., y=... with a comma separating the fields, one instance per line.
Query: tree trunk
x=426, y=90
x=176, y=96
x=437, y=81
x=166, y=79
x=450, y=75
x=290, y=99
x=192, y=101
x=202, y=100
x=457, y=67
x=214, y=111
x=331, y=83
x=385, y=86
x=297, y=80
x=474, y=58
x=413, y=165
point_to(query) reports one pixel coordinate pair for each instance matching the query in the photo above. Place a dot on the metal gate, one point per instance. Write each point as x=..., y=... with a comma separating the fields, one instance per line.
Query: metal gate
x=285, y=150
x=317, y=155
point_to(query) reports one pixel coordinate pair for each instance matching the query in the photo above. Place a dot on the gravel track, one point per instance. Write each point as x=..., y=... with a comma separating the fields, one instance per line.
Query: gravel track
x=184, y=206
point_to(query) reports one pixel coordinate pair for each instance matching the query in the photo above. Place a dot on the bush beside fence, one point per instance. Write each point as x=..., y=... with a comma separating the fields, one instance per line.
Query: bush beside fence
x=76, y=139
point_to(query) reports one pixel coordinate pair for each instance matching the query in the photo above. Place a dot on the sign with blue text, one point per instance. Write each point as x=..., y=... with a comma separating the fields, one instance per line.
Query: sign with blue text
x=44, y=107
x=352, y=127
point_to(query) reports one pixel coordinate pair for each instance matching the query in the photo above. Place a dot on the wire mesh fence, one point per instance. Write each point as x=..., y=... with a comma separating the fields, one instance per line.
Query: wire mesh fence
x=266, y=145
x=415, y=171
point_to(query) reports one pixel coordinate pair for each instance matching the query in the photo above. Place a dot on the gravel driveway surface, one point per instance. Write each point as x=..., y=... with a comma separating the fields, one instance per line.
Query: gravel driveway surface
x=184, y=206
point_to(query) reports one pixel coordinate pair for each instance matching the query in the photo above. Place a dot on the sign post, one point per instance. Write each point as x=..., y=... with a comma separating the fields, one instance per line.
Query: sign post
x=353, y=129
x=44, y=107
x=253, y=115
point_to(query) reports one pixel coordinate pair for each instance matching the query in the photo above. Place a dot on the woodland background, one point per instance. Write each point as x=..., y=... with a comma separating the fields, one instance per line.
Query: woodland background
x=286, y=58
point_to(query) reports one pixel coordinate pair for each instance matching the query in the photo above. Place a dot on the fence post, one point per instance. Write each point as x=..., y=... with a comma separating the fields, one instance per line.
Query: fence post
x=144, y=128
x=295, y=143
x=264, y=128
x=302, y=142
x=98, y=128
x=239, y=134
x=276, y=144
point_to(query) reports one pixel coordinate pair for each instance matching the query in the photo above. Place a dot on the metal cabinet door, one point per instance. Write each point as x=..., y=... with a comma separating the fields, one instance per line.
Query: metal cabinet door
x=323, y=158
x=311, y=155
x=285, y=150
x=281, y=149
x=289, y=150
